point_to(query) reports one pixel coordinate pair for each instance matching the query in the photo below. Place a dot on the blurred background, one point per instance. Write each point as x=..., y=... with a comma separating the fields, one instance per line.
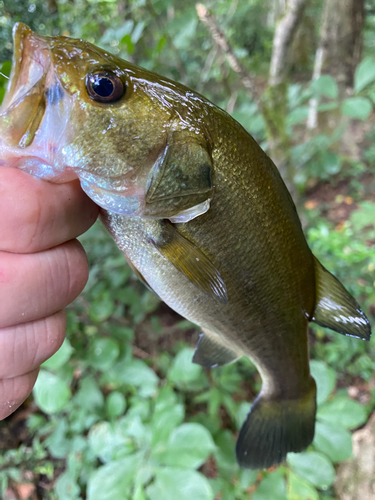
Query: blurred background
x=120, y=412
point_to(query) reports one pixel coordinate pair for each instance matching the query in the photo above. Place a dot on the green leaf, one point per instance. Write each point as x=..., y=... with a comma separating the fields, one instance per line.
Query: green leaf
x=132, y=426
x=183, y=370
x=329, y=162
x=107, y=443
x=137, y=374
x=333, y=441
x=103, y=353
x=177, y=484
x=89, y=396
x=189, y=446
x=165, y=420
x=273, y=486
x=300, y=489
x=342, y=411
x=51, y=393
x=357, y=107
x=325, y=379
x=242, y=413
x=66, y=487
x=364, y=215
x=326, y=86
x=364, y=74
x=116, y=404
x=102, y=308
x=225, y=455
x=247, y=478
x=58, y=442
x=113, y=480
x=314, y=467
x=61, y=357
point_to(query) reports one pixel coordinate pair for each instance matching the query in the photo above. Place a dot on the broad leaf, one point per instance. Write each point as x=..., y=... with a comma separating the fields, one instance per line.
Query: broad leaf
x=314, y=467
x=273, y=486
x=50, y=392
x=326, y=86
x=103, y=353
x=334, y=441
x=325, y=379
x=116, y=404
x=113, y=480
x=61, y=357
x=177, y=484
x=364, y=74
x=188, y=446
x=183, y=370
x=300, y=489
x=342, y=411
x=357, y=107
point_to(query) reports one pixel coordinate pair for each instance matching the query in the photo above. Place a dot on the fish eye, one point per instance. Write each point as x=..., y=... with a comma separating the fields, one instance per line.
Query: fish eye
x=105, y=86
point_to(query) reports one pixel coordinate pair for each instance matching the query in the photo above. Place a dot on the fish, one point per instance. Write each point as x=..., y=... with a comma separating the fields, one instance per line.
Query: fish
x=199, y=211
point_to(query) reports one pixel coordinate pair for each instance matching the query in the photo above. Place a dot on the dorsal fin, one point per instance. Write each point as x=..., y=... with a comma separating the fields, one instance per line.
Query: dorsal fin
x=335, y=308
x=210, y=353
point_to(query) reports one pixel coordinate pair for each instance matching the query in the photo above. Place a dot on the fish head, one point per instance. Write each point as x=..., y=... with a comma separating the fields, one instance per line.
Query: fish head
x=74, y=110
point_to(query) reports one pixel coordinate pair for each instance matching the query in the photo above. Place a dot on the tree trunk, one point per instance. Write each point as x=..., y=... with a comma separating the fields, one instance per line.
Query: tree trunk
x=275, y=97
x=338, y=54
x=341, y=40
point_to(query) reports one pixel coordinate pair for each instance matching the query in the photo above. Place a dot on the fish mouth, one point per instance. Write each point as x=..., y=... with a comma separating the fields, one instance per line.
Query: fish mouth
x=34, y=115
x=24, y=102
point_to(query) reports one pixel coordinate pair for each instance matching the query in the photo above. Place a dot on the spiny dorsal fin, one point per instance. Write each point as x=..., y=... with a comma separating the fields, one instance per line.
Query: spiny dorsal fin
x=190, y=261
x=210, y=353
x=335, y=308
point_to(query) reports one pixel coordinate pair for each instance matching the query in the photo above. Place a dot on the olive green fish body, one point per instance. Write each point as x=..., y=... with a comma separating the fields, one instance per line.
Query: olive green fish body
x=259, y=307
x=199, y=211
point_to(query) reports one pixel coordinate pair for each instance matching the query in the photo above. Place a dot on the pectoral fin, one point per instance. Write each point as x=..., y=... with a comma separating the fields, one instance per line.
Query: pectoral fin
x=191, y=262
x=210, y=354
x=335, y=308
x=180, y=178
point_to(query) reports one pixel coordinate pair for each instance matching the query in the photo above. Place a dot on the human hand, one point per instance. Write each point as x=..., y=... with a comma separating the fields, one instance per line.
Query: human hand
x=42, y=270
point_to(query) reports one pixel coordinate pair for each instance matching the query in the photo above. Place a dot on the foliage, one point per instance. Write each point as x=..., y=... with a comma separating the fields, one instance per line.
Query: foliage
x=120, y=411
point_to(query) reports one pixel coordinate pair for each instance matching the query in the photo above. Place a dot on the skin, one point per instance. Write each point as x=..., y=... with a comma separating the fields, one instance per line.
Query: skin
x=43, y=268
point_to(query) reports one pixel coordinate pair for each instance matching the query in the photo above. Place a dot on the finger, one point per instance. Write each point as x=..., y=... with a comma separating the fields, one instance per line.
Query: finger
x=34, y=286
x=36, y=215
x=14, y=391
x=25, y=347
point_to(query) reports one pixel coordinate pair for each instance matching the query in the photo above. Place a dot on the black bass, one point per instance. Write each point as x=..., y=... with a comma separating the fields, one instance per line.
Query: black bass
x=199, y=211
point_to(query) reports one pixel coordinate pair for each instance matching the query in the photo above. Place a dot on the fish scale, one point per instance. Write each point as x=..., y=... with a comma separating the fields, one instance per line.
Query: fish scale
x=199, y=211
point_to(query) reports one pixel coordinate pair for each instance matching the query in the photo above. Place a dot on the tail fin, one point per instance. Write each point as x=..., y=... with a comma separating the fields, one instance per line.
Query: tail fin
x=335, y=308
x=273, y=428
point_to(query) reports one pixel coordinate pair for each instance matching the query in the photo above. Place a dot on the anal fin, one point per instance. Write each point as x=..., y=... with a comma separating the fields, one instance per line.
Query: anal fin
x=335, y=308
x=211, y=354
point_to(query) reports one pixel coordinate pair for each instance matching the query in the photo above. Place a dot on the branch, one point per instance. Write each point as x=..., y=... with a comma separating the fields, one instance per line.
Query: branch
x=220, y=40
x=283, y=39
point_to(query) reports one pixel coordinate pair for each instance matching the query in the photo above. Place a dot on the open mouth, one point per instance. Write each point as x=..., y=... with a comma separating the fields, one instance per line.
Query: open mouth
x=24, y=102
x=35, y=113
